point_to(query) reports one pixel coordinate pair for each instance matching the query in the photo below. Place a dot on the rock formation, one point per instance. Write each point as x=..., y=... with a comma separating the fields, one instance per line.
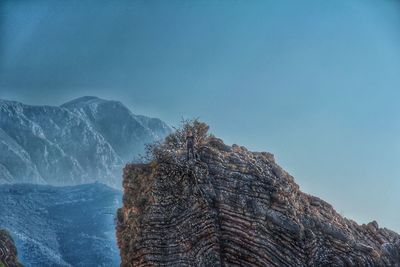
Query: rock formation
x=233, y=207
x=8, y=252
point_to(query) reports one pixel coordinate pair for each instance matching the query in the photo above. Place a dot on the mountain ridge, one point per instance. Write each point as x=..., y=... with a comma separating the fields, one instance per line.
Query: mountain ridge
x=84, y=140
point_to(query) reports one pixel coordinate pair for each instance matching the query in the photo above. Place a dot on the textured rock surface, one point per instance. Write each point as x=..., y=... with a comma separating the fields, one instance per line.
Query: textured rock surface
x=85, y=140
x=233, y=207
x=8, y=252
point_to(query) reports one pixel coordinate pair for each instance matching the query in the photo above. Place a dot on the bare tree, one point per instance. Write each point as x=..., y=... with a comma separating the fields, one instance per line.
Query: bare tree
x=173, y=147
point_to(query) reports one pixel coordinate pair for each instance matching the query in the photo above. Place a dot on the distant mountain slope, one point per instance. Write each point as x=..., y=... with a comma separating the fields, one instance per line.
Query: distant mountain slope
x=124, y=131
x=61, y=226
x=85, y=140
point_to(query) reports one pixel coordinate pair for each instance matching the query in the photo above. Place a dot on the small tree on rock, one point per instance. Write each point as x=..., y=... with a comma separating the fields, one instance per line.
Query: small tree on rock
x=171, y=148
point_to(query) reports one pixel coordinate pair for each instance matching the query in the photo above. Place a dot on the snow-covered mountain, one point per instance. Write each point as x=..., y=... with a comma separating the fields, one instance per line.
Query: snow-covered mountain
x=61, y=226
x=85, y=140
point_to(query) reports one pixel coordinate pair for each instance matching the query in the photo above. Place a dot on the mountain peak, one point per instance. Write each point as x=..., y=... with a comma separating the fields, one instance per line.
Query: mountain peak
x=84, y=100
x=232, y=206
x=86, y=139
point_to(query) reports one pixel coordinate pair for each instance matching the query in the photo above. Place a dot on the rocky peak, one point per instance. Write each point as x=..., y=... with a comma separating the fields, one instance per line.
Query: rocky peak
x=8, y=252
x=83, y=100
x=235, y=207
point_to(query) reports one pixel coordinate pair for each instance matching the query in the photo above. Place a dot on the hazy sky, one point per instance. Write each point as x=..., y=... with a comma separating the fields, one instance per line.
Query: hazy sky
x=317, y=83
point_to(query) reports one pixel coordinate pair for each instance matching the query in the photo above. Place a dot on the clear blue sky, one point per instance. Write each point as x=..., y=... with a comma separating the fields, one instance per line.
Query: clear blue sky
x=317, y=83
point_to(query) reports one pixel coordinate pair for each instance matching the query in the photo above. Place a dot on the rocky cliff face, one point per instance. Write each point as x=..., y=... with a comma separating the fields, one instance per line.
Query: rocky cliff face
x=88, y=139
x=8, y=252
x=233, y=207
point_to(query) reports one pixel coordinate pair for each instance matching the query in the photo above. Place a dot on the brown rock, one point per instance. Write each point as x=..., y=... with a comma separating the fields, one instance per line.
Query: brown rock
x=8, y=252
x=233, y=207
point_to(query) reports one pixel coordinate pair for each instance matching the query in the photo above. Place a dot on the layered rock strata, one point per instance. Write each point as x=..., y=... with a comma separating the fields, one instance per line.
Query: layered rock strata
x=233, y=207
x=8, y=251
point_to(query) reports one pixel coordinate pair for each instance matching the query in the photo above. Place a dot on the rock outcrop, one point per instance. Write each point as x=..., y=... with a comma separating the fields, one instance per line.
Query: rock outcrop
x=233, y=207
x=8, y=252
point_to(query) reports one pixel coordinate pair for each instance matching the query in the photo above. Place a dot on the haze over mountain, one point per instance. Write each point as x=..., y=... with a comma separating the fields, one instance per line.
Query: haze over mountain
x=87, y=139
x=61, y=226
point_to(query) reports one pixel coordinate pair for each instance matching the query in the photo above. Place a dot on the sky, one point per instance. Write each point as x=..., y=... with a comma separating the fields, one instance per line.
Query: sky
x=316, y=83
